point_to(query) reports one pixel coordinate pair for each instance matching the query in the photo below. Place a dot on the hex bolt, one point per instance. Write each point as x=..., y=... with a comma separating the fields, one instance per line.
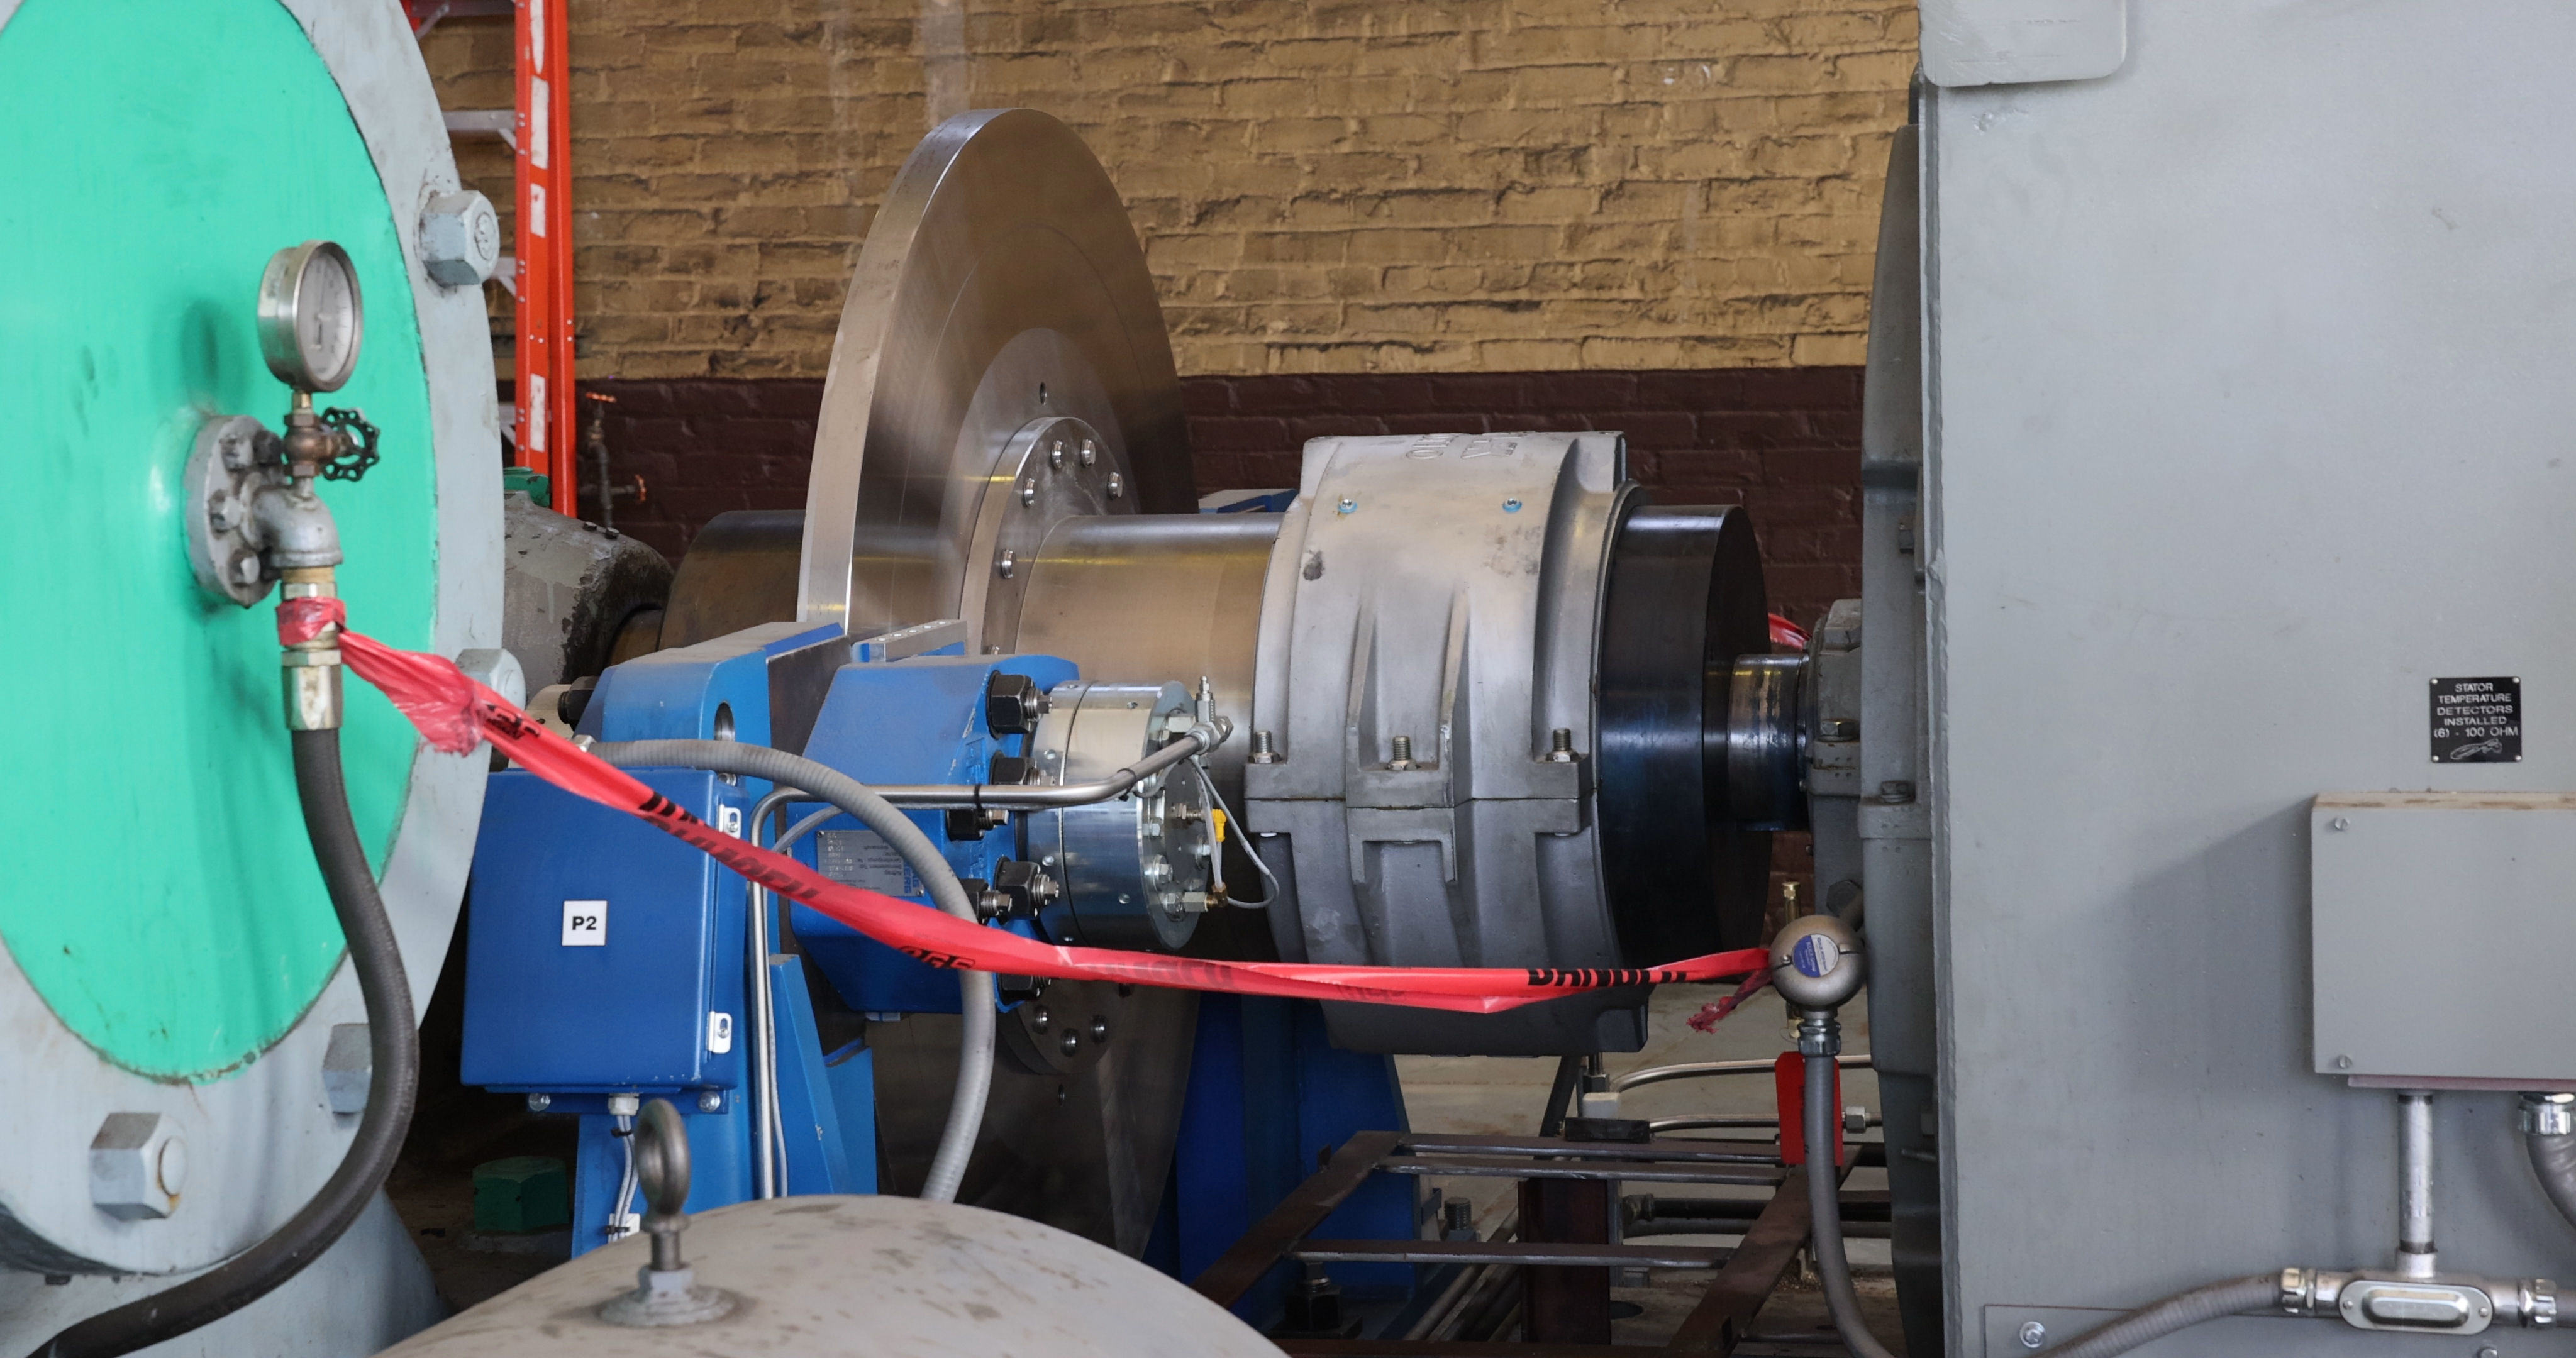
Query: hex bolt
x=236, y=451
x=224, y=510
x=348, y=1068
x=1007, y=564
x=1070, y=1043
x=1156, y=871
x=1099, y=1029
x=1349, y=505
x=1560, y=746
x=1090, y=452
x=1265, y=749
x=1028, y=492
x=1403, y=750
x=460, y=239
x=1055, y=455
x=137, y=1165
x=1039, y=1019
x=2032, y=1334
x=1117, y=486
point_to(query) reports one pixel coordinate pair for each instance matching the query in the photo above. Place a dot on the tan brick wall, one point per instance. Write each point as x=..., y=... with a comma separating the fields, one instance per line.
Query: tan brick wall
x=1322, y=185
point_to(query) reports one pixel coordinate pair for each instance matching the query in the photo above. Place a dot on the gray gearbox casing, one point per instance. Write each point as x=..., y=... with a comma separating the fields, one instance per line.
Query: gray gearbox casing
x=1445, y=590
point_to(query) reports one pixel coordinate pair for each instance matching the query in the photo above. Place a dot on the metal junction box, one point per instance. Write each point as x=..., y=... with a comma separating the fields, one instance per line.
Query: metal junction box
x=602, y=955
x=2443, y=926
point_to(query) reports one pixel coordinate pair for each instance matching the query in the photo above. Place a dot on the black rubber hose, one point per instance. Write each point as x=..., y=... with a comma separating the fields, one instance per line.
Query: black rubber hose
x=393, y=1036
x=1825, y=1212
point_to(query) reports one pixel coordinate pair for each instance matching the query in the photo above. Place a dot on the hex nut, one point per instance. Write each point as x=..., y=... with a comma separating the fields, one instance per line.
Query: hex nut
x=460, y=239
x=137, y=1165
x=348, y=1067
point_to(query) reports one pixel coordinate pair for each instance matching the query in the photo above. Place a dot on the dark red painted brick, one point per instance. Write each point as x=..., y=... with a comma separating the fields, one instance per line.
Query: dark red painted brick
x=1586, y=390
x=1782, y=441
x=1495, y=392
x=1238, y=433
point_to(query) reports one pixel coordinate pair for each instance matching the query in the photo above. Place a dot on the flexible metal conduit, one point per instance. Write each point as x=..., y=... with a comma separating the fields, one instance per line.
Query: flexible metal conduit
x=767, y=1170
x=1825, y=1212
x=2549, y=1134
x=2179, y=1312
x=975, y=988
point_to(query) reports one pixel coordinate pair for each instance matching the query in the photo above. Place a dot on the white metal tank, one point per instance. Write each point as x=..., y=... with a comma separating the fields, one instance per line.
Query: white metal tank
x=885, y=1277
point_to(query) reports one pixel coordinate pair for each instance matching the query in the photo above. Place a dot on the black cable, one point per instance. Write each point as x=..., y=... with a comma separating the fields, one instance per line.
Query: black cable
x=394, y=1039
x=1568, y=1070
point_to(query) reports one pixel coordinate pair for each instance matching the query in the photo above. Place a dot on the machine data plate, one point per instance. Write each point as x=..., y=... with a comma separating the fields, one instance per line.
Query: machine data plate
x=2477, y=721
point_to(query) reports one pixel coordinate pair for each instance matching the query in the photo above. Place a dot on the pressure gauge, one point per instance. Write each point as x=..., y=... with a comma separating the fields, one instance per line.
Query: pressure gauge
x=310, y=316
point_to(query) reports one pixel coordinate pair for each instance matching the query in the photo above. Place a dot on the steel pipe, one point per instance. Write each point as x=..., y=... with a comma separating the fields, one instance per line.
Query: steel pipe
x=1041, y=797
x=1694, y=1070
x=2415, y=1257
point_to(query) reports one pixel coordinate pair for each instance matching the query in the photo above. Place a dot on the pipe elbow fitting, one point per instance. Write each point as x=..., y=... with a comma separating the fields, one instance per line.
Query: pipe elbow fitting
x=295, y=527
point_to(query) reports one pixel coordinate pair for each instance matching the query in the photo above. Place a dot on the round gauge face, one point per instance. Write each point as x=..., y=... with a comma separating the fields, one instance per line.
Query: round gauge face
x=310, y=316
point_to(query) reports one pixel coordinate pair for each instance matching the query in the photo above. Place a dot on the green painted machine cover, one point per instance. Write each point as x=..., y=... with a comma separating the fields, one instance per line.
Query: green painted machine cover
x=161, y=895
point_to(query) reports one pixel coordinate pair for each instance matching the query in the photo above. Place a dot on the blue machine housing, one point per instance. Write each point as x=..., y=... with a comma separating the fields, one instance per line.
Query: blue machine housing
x=600, y=959
x=1267, y=1093
x=940, y=737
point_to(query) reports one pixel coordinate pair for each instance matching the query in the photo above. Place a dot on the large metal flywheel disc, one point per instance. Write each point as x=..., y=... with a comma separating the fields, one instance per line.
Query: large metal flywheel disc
x=1001, y=284
x=1000, y=306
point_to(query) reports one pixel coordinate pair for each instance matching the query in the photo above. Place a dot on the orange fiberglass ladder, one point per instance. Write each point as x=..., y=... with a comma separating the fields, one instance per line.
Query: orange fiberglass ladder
x=539, y=276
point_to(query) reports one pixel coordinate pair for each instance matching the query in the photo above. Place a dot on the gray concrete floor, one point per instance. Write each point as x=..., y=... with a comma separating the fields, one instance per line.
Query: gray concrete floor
x=1502, y=1096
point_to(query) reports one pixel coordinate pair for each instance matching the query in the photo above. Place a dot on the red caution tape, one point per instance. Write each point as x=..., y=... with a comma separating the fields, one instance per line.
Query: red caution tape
x=1714, y=1013
x=452, y=710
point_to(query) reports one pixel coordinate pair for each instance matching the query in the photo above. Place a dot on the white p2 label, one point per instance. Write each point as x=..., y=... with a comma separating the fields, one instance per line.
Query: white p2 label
x=585, y=924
